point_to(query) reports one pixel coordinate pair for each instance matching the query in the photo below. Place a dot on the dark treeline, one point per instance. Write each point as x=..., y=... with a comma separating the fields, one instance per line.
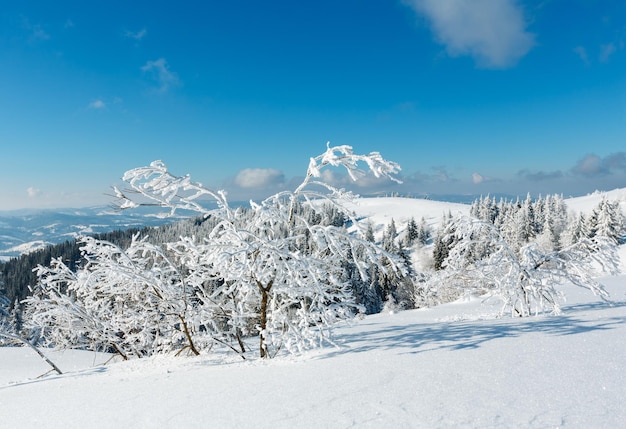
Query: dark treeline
x=16, y=275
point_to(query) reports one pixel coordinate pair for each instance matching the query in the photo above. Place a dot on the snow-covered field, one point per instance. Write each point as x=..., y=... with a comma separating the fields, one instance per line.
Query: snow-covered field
x=457, y=365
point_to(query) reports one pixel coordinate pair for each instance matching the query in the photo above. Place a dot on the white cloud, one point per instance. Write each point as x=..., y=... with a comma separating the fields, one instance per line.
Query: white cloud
x=477, y=178
x=97, y=104
x=161, y=73
x=138, y=35
x=254, y=178
x=493, y=32
x=33, y=192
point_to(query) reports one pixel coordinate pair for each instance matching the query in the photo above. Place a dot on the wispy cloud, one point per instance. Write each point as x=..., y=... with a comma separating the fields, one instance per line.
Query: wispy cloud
x=606, y=51
x=136, y=35
x=33, y=192
x=160, y=72
x=256, y=178
x=594, y=166
x=36, y=31
x=540, y=176
x=97, y=104
x=493, y=32
x=440, y=174
x=478, y=178
x=582, y=54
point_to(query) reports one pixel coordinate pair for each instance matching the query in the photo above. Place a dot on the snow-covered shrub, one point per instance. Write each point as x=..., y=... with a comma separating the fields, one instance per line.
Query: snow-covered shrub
x=133, y=301
x=525, y=280
x=271, y=274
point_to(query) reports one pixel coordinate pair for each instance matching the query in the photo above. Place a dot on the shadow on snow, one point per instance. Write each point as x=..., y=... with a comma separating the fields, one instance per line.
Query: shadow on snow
x=462, y=335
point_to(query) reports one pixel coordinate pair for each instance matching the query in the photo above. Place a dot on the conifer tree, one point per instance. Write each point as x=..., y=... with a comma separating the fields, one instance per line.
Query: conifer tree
x=389, y=238
x=609, y=220
x=412, y=232
x=423, y=232
x=369, y=233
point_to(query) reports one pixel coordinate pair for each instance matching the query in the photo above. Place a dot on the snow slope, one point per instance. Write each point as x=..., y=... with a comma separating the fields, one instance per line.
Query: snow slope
x=380, y=211
x=586, y=203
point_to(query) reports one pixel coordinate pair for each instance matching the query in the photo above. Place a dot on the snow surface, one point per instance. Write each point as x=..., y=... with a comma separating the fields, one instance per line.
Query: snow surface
x=456, y=365
x=587, y=203
x=380, y=211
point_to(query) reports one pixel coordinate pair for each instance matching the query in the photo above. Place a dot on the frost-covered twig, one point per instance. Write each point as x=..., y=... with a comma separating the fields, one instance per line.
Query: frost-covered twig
x=29, y=344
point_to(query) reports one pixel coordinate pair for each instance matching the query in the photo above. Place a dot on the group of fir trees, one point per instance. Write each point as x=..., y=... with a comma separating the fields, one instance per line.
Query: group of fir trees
x=546, y=220
x=605, y=220
x=520, y=251
x=543, y=219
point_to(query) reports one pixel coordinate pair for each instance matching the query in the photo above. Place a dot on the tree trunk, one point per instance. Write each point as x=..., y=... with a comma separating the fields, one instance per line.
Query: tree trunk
x=263, y=316
x=191, y=345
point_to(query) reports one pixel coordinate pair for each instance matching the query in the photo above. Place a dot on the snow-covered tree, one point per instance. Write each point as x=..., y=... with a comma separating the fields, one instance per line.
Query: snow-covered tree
x=369, y=233
x=548, y=239
x=609, y=220
x=289, y=298
x=267, y=272
x=575, y=230
x=423, y=232
x=134, y=301
x=5, y=322
x=442, y=243
x=525, y=281
x=389, y=237
x=412, y=231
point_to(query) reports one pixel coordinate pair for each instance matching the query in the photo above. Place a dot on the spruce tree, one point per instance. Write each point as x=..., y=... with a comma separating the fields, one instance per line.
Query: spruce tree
x=412, y=232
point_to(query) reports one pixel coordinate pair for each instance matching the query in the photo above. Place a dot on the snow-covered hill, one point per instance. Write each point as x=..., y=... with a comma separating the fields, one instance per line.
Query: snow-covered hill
x=586, y=203
x=380, y=211
x=458, y=365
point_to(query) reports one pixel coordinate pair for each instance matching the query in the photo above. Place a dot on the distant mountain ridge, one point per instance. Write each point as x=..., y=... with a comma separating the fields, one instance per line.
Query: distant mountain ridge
x=24, y=231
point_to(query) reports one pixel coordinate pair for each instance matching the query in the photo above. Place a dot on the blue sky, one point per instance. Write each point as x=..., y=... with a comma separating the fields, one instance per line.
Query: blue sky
x=469, y=96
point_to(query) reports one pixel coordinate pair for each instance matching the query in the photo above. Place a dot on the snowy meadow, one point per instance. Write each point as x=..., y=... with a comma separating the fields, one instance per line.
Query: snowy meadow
x=391, y=313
